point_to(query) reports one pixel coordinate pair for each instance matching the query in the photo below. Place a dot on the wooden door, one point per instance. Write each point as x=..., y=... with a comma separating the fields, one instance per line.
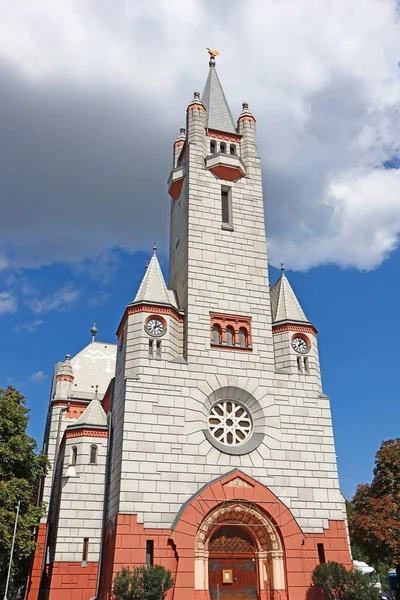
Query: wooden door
x=232, y=549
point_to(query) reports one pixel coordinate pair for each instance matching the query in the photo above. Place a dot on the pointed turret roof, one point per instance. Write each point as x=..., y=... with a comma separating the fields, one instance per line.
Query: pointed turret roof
x=284, y=304
x=153, y=288
x=66, y=367
x=93, y=415
x=218, y=114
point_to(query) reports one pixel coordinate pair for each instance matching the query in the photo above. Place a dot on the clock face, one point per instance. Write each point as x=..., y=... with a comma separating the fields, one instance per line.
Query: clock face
x=300, y=345
x=155, y=327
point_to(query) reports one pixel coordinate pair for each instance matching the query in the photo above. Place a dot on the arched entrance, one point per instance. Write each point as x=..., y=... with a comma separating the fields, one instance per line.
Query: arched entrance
x=238, y=536
x=232, y=567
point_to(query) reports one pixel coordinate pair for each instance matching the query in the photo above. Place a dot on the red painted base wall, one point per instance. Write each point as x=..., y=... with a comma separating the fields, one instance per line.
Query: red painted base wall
x=32, y=587
x=125, y=546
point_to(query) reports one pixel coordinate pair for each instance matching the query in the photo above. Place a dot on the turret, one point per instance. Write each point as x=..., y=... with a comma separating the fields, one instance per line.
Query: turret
x=178, y=146
x=247, y=128
x=196, y=124
x=295, y=337
x=64, y=380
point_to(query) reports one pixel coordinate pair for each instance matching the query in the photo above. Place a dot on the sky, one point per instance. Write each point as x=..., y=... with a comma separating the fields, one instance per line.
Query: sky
x=94, y=93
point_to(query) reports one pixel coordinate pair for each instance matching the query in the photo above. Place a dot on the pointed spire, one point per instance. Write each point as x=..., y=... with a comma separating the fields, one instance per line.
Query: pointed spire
x=284, y=304
x=93, y=415
x=153, y=287
x=218, y=114
x=66, y=368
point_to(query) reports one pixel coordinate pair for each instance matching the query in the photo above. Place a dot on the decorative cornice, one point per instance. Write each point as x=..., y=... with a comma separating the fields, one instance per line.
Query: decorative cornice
x=133, y=309
x=300, y=327
x=228, y=137
x=86, y=431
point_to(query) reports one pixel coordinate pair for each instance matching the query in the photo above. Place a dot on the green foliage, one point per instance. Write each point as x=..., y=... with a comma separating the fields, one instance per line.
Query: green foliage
x=333, y=581
x=374, y=513
x=143, y=583
x=21, y=469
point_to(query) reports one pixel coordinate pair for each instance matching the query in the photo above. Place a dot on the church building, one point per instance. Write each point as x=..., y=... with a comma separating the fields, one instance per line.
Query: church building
x=202, y=440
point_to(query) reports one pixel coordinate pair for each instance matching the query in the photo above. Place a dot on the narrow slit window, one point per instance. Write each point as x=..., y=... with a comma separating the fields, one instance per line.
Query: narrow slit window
x=305, y=363
x=149, y=553
x=321, y=553
x=226, y=206
x=299, y=365
x=213, y=147
x=222, y=147
x=150, y=348
x=85, y=550
x=74, y=455
x=93, y=455
x=158, y=349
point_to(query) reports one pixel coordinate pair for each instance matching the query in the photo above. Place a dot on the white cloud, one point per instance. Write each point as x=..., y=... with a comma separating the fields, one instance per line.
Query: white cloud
x=108, y=83
x=31, y=326
x=8, y=303
x=60, y=300
x=38, y=377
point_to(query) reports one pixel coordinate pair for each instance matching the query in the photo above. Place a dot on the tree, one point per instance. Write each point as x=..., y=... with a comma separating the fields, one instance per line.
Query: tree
x=21, y=469
x=332, y=581
x=374, y=519
x=143, y=583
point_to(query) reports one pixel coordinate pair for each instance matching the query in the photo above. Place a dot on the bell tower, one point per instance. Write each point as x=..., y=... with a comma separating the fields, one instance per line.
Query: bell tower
x=218, y=261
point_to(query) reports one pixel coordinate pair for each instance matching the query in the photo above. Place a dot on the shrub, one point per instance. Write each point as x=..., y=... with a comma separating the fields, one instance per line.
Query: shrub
x=143, y=583
x=332, y=581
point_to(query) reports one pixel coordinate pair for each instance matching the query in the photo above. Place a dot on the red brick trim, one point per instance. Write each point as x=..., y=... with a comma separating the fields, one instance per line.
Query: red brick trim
x=247, y=118
x=154, y=310
x=196, y=105
x=301, y=328
x=227, y=173
x=86, y=431
x=228, y=137
x=236, y=322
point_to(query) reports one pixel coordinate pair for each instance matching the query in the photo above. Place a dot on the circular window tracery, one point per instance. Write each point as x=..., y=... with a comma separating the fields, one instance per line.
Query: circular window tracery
x=230, y=423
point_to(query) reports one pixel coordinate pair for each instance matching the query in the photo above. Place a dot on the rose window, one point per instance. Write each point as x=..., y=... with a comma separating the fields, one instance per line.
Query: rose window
x=230, y=423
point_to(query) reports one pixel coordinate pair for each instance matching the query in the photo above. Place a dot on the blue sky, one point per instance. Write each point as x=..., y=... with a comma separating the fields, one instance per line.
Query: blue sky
x=356, y=314
x=93, y=96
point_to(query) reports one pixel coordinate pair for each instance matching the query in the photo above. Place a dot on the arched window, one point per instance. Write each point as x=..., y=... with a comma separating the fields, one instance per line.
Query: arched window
x=216, y=334
x=243, y=337
x=93, y=454
x=230, y=336
x=213, y=147
x=74, y=455
x=222, y=147
x=232, y=149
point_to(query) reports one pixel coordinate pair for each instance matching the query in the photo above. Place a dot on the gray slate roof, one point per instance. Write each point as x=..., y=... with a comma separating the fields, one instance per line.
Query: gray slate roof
x=153, y=287
x=284, y=304
x=93, y=415
x=218, y=115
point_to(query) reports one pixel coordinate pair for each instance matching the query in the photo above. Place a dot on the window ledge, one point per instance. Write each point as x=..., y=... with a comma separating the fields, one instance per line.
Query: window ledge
x=224, y=346
x=227, y=227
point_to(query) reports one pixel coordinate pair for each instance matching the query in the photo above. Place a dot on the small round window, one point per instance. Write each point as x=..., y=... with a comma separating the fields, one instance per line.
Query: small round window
x=230, y=423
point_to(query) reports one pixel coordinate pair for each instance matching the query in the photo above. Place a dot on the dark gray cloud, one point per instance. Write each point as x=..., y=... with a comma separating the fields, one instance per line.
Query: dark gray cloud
x=93, y=96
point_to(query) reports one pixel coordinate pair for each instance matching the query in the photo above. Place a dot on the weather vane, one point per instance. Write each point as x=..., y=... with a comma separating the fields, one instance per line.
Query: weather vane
x=212, y=53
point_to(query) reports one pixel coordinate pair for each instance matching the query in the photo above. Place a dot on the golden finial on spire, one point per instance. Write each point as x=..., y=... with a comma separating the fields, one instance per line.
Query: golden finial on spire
x=212, y=53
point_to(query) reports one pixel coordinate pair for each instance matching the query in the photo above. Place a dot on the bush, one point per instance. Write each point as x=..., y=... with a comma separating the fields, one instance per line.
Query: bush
x=333, y=581
x=143, y=583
